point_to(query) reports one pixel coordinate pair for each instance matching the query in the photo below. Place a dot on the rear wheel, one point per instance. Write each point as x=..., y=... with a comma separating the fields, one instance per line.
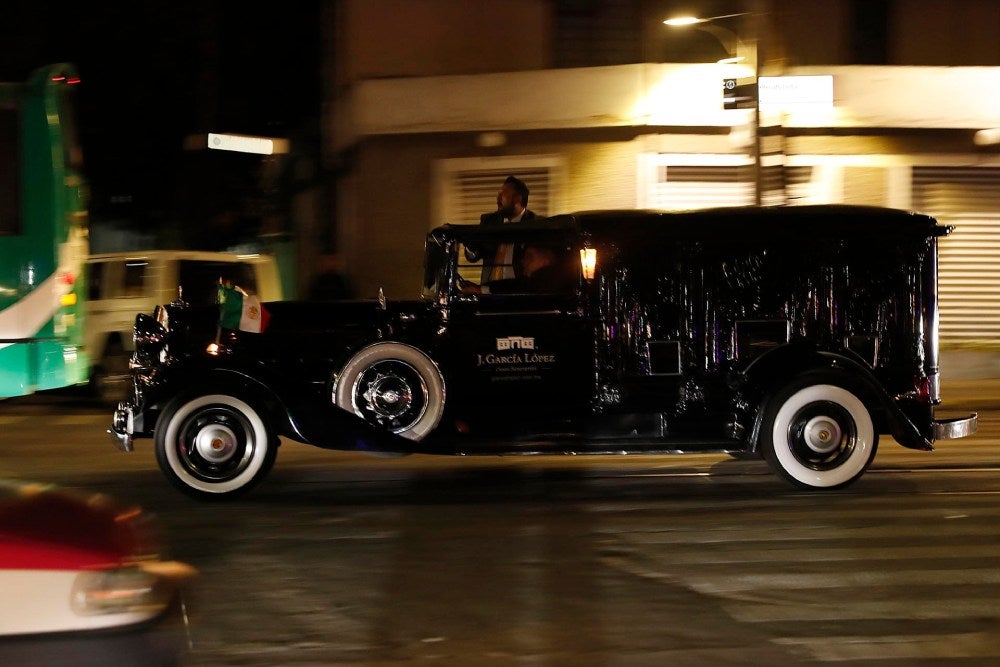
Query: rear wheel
x=214, y=446
x=818, y=436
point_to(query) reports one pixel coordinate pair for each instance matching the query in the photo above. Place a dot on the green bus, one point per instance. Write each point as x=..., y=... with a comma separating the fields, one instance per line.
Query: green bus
x=43, y=235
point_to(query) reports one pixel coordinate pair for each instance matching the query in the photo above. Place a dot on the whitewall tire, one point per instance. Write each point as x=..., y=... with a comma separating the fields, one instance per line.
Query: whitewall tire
x=394, y=386
x=214, y=445
x=818, y=436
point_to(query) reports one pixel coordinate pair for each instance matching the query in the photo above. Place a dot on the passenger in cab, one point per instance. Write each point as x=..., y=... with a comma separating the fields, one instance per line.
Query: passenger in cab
x=544, y=269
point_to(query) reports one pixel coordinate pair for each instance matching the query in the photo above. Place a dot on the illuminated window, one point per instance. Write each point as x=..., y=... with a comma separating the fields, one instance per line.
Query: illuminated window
x=692, y=181
x=682, y=181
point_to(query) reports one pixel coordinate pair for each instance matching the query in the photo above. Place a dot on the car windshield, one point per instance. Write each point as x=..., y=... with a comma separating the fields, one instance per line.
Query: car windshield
x=436, y=268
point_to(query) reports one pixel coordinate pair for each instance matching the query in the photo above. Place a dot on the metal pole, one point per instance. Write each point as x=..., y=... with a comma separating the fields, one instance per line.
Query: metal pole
x=757, y=165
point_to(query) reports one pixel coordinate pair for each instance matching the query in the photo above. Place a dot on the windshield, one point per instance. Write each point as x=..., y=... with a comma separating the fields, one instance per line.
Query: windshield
x=437, y=266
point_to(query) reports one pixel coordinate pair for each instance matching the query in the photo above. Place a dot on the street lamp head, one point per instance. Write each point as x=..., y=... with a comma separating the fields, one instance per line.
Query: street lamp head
x=736, y=49
x=681, y=21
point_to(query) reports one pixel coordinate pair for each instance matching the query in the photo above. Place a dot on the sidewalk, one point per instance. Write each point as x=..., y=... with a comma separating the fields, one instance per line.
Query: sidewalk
x=971, y=393
x=970, y=364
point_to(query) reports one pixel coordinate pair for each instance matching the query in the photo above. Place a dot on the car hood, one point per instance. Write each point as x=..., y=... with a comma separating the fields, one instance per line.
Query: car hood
x=45, y=527
x=300, y=315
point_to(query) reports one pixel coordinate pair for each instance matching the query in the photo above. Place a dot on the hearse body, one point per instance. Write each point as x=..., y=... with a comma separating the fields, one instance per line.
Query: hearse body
x=798, y=334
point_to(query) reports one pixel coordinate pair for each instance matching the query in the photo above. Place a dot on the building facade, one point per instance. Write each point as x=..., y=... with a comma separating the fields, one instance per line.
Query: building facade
x=431, y=104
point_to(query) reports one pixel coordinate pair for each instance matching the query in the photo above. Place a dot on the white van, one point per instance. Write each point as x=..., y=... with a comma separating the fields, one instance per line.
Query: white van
x=119, y=285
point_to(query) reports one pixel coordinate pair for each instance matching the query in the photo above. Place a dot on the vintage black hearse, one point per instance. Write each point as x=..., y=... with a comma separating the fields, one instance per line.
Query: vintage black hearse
x=797, y=334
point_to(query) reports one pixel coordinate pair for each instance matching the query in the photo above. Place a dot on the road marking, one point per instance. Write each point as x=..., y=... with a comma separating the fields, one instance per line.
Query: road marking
x=913, y=470
x=906, y=608
x=899, y=647
x=47, y=421
x=723, y=585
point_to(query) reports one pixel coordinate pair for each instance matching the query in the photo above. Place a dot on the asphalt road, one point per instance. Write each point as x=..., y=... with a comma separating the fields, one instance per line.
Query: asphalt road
x=339, y=559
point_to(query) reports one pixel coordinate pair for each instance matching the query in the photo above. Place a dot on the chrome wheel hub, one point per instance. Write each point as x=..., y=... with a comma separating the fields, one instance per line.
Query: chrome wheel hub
x=389, y=396
x=216, y=443
x=822, y=434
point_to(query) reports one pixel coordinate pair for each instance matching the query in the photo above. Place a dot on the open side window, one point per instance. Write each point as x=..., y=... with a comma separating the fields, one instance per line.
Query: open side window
x=528, y=266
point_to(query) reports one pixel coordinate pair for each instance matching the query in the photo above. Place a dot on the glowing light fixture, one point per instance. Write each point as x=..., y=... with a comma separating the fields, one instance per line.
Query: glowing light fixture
x=737, y=51
x=683, y=20
x=588, y=260
x=987, y=137
x=242, y=143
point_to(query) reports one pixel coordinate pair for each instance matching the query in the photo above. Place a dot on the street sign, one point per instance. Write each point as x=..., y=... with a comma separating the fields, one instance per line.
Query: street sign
x=738, y=95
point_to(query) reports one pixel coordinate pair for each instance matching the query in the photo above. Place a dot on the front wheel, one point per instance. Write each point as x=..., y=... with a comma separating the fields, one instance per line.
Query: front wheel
x=818, y=436
x=214, y=446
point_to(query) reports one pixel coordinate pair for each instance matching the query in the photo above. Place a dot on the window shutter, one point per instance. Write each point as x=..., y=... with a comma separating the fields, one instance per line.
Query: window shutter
x=690, y=187
x=473, y=192
x=799, y=185
x=969, y=274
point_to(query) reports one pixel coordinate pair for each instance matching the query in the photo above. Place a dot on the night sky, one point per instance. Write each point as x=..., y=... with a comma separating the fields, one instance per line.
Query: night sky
x=156, y=71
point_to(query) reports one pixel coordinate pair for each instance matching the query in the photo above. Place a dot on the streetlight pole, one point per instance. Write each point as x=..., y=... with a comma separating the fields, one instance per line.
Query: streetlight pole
x=758, y=167
x=739, y=51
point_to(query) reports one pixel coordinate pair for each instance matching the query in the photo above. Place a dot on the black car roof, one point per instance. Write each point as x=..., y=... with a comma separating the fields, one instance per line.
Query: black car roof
x=733, y=223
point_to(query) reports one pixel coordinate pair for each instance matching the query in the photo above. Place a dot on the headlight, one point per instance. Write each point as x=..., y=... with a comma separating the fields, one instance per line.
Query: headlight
x=162, y=317
x=148, y=331
x=150, y=340
x=139, y=589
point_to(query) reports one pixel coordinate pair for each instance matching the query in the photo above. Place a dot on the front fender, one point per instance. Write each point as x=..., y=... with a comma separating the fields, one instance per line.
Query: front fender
x=309, y=419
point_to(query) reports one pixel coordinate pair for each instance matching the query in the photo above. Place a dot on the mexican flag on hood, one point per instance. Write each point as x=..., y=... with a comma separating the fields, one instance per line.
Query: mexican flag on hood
x=239, y=310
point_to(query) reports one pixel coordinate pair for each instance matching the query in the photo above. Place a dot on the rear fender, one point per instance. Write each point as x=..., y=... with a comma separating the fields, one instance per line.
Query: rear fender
x=773, y=370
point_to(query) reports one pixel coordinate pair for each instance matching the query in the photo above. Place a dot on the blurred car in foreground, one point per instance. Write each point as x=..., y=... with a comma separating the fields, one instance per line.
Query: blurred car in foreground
x=84, y=581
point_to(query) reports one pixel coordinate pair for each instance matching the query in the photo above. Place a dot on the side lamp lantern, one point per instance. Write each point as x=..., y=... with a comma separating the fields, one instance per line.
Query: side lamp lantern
x=588, y=261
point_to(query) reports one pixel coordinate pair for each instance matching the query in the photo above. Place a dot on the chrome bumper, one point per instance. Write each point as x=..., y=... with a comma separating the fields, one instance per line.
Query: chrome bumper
x=949, y=429
x=122, y=427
